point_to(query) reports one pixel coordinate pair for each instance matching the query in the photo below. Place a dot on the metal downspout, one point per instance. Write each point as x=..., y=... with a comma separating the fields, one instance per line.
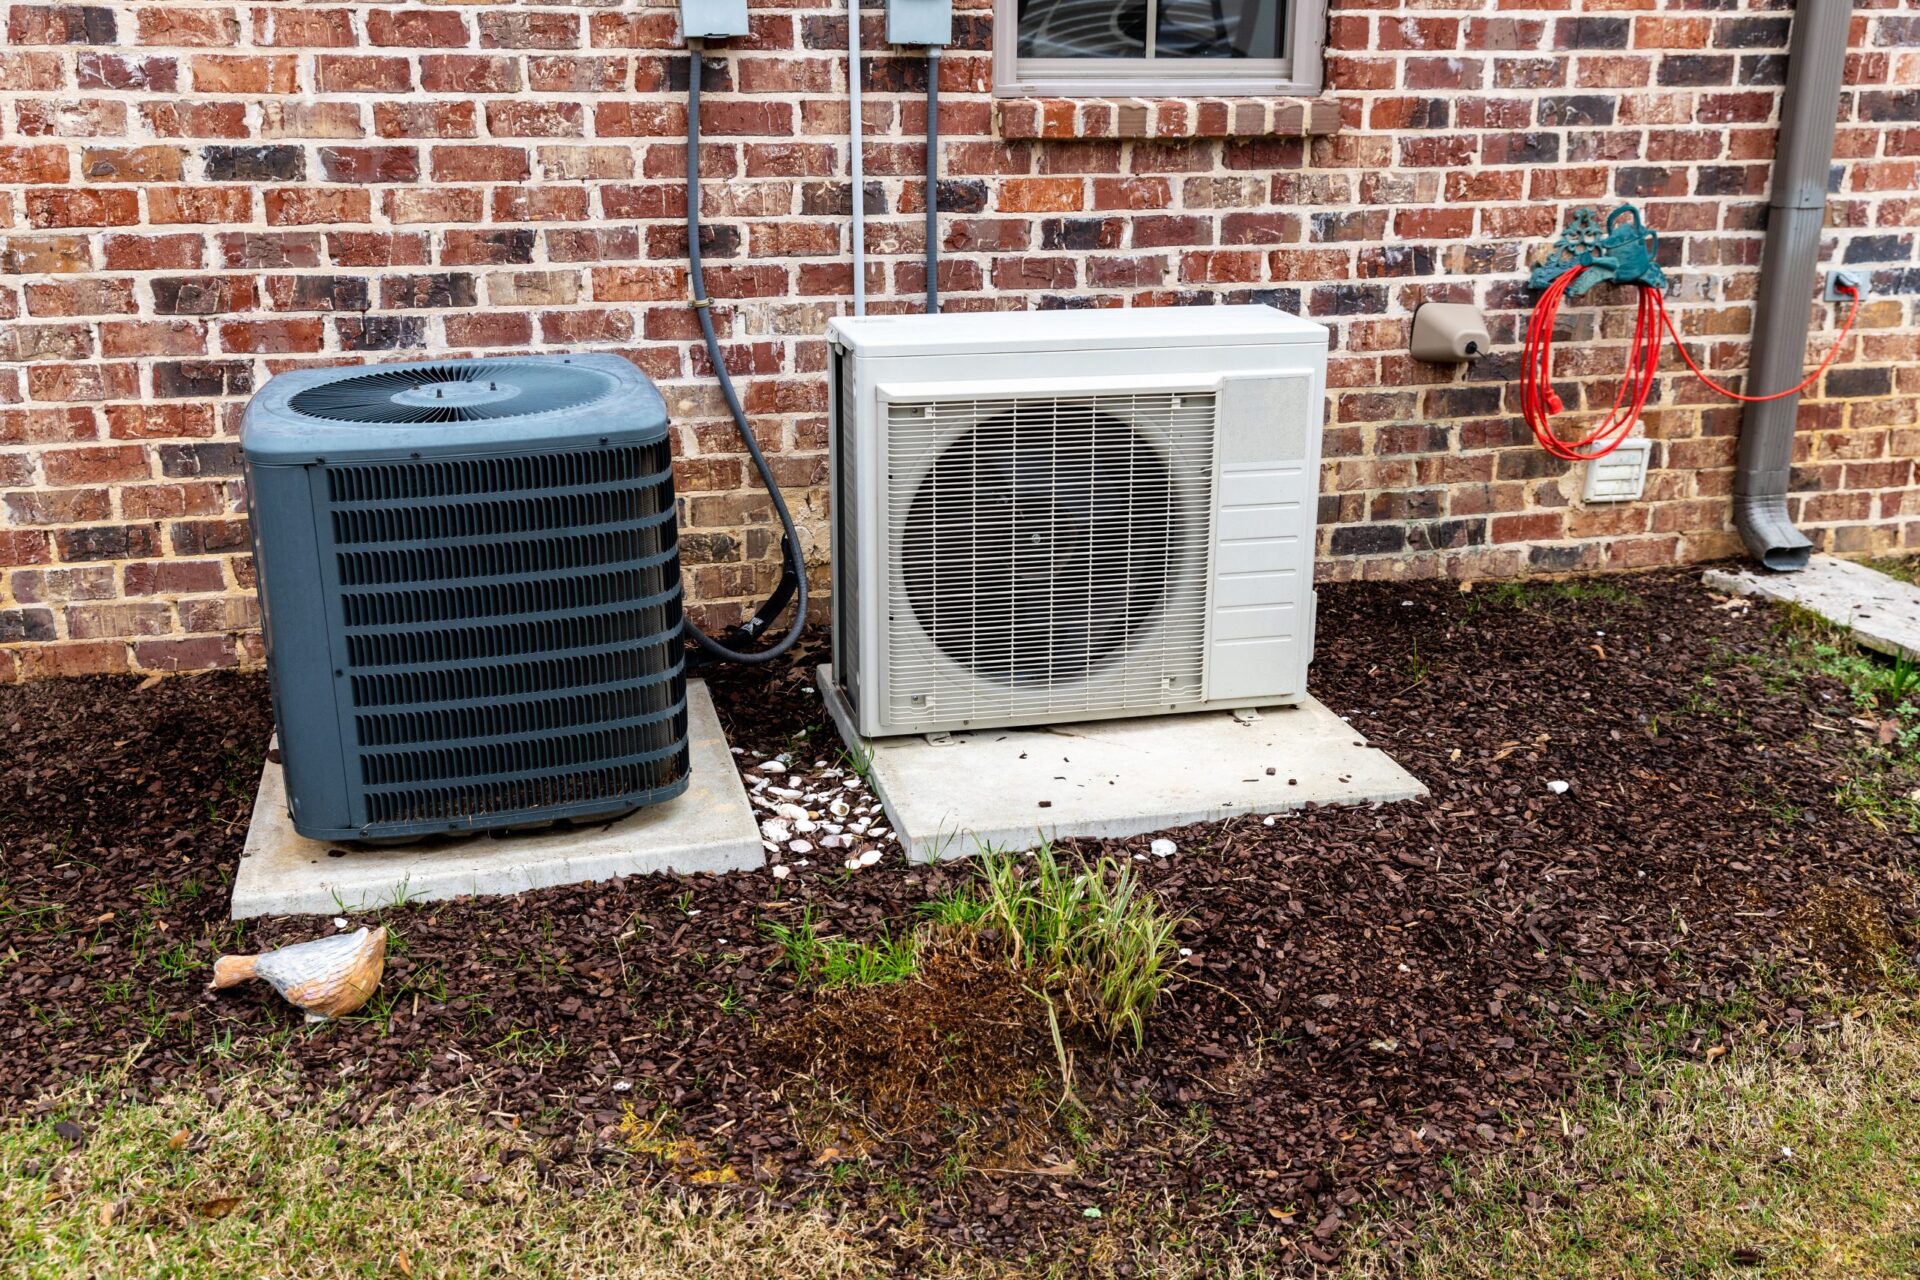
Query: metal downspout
x=1816, y=58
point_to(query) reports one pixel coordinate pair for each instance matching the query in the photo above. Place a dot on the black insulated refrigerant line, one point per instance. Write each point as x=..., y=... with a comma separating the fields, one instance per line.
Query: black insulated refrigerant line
x=793, y=578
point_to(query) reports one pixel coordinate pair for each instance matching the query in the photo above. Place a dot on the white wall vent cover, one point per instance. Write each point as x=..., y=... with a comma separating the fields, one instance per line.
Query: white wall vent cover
x=1620, y=476
x=1057, y=516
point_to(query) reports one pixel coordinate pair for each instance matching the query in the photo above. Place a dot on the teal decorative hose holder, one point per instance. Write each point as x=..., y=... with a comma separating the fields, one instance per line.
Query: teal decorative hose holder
x=1621, y=251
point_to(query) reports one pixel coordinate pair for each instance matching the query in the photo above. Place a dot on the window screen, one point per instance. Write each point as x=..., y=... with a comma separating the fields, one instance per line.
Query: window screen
x=1159, y=29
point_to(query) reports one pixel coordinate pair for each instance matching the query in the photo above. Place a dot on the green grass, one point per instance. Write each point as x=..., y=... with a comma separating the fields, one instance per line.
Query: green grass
x=1532, y=594
x=1790, y=1156
x=1106, y=943
x=1089, y=934
x=1883, y=787
x=834, y=961
x=1905, y=568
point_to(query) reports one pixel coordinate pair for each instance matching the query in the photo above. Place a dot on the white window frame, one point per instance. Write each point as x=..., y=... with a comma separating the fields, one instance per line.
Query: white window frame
x=1300, y=73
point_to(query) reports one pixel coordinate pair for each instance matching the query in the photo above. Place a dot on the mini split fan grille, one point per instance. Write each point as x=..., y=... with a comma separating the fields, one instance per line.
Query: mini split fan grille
x=1052, y=548
x=470, y=627
x=456, y=391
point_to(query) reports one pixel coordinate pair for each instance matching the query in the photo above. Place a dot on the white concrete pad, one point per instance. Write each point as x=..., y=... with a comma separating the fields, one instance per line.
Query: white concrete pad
x=1883, y=613
x=1015, y=788
x=710, y=827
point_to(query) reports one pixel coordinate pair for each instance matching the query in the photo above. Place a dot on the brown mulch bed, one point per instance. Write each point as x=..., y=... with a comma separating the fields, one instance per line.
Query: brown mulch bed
x=1376, y=989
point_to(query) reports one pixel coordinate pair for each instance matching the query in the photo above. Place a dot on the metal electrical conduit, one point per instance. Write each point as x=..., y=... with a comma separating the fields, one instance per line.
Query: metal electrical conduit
x=1816, y=57
x=856, y=139
x=856, y=160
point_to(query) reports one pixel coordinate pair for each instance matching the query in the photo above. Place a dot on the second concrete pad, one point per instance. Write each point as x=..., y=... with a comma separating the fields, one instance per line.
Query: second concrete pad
x=1882, y=612
x=1014, y=788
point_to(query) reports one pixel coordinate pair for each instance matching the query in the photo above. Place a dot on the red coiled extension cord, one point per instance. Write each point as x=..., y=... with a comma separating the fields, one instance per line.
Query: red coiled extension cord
x=1538, y=402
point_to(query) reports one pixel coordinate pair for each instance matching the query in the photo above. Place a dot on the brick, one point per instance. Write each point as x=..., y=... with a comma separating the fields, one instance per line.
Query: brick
x=132, y=164
x=176, y=27
x=505, y=29
x=377, y=249
x=152, y=338
x=92, y=296
x=536, y=119
x=1042, y=195
x=426, y=119
x=29, y=24
x=499, y=329
x=311, y=120
x=270, y=249
x=195, y=119
x=318, y=293
x=229, y=73
x=278, y=163
x=452, y=289
x=202, y=378
x=72, y=118
x=360, y=73
x=305, y=206
x=416, y=28
x=214, y=205
x=468, y=73
x=108, y=542
x=174, y=577
x=366, y=165
x=80, y=207
x=146, y=421
x=99, y=464
x=480, y=164
x=42, y=162
x=381, y=332
x=258, y=337
x=304, y=27
x=196, y=653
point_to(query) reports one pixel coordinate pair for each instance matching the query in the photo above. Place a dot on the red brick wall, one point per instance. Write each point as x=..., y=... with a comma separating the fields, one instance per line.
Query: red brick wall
x=193, y=196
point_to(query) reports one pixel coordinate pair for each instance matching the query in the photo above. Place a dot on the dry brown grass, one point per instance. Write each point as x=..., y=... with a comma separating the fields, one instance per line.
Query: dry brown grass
x=182, y=1188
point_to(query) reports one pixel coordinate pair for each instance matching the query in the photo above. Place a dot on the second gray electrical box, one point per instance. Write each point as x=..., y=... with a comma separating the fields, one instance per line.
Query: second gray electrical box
x=712, y=19
x=920, y=22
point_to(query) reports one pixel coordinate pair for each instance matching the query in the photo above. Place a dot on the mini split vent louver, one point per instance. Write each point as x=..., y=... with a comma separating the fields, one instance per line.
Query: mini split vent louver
x=1051, y=517
x=470, y=579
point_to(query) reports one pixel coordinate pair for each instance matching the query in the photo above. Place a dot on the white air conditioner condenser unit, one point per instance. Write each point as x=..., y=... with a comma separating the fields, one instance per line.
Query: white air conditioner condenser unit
x=1044, y=517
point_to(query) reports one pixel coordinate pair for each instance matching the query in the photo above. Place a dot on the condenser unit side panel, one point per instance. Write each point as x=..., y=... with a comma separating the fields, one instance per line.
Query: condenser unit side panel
x=842, y=542
x=866, y=454
x=1260, y=612
x=290, y=568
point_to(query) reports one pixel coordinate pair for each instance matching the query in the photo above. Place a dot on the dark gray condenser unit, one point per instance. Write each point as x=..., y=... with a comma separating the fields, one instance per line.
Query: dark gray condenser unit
x=470, y=576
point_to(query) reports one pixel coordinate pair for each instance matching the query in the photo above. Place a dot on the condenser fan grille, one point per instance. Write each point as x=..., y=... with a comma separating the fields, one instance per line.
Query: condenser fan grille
x=1052, y=553
x=456, y=391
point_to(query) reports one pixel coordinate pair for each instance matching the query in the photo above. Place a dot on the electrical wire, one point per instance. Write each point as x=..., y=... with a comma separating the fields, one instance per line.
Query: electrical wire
x=1539, y=402
x=794, y=576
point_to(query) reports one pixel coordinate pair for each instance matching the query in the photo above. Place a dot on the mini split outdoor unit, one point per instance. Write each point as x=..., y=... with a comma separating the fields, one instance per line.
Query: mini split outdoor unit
x=1050, y=517
x=470, y=579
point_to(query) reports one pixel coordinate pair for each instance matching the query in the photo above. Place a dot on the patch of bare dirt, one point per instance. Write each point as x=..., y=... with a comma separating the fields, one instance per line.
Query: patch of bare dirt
x=960, y=1057
x=1848, y=931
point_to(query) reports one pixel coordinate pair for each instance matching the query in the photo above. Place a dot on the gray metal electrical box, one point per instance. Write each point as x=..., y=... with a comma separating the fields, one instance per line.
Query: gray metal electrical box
x=920, y=22
x=712, y=19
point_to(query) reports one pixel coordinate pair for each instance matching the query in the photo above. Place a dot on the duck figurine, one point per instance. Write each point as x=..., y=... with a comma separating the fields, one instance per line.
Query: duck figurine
x=326, y=978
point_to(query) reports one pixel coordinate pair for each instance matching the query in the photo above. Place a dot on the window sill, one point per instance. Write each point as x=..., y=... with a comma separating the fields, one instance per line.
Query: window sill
x=1166, y=118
